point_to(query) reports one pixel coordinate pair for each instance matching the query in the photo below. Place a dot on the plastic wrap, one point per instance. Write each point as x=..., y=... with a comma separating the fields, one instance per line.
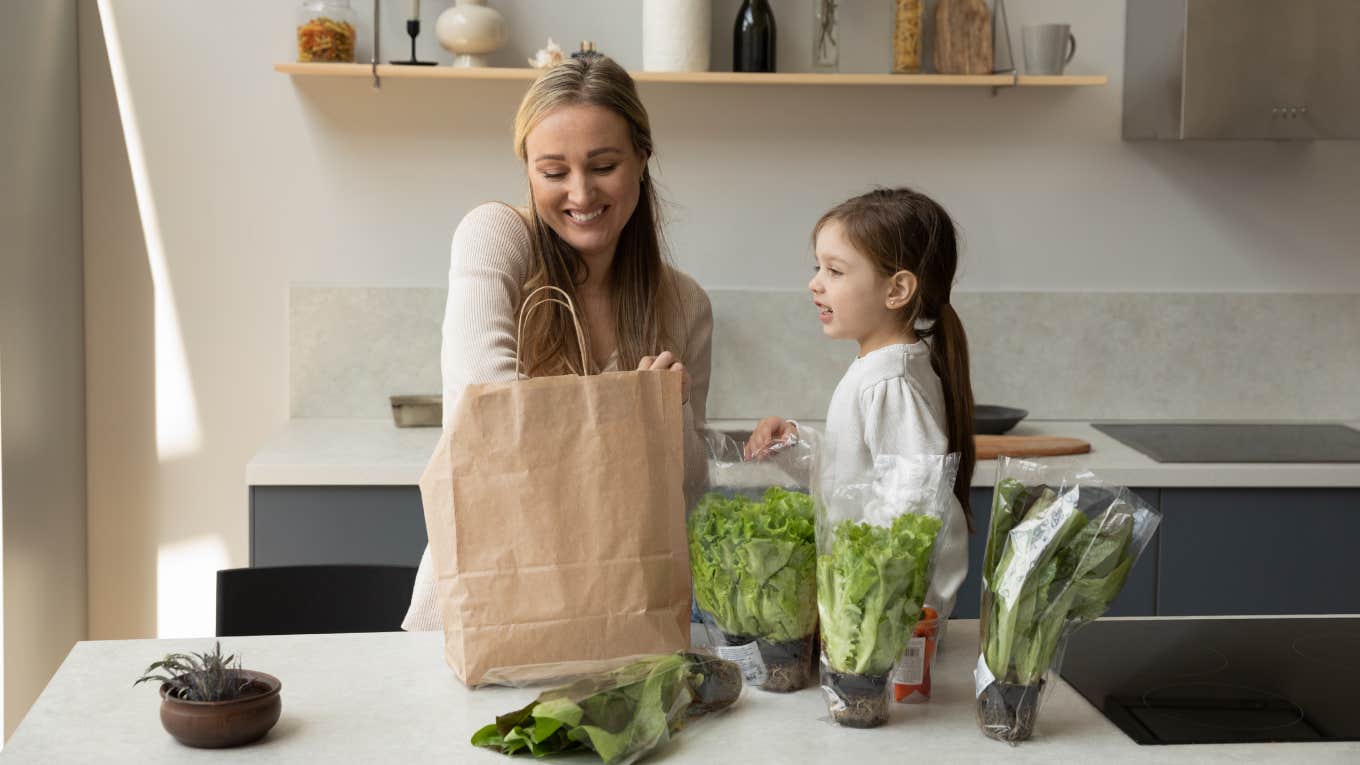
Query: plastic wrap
x=876, y=536
x=753, y=557
x=1060, y=546
x=621, y=710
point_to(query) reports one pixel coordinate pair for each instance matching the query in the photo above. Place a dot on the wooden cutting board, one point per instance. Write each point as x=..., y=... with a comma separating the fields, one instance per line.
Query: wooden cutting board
x=989, y=447
x=963, y=37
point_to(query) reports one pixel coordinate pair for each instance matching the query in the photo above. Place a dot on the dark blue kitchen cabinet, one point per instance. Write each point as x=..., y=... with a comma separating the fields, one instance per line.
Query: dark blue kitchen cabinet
x=966, y=602
x=1217, y=552
x=1259, y=551
x=311, y=525
x=1139, y=597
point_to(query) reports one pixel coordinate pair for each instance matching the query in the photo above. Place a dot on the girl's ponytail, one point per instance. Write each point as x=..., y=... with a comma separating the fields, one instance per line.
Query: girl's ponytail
x=949, y=358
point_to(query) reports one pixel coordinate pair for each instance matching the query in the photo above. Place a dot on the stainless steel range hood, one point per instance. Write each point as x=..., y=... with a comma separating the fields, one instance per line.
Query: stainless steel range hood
x=1242, y=69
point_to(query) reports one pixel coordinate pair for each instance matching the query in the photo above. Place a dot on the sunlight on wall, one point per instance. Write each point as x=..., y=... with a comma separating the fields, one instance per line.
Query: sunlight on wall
x=185, y=572
x=178, y=431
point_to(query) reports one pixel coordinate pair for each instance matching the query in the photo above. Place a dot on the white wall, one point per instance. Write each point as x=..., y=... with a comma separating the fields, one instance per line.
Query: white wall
x=258, y=180
x=42, y=384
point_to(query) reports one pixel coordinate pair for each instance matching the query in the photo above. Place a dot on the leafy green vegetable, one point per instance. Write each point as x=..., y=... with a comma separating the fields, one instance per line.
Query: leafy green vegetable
x=1010, y=494
x=869, y=591
x=621, y=714
x=1047, y=568
x=755, y=564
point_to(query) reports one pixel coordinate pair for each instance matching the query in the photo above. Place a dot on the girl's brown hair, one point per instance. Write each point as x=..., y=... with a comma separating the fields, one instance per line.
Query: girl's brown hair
x=905, y=230
x=640, y=278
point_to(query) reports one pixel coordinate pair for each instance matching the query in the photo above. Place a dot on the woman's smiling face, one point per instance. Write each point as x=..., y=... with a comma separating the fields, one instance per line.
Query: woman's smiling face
x=585, y=176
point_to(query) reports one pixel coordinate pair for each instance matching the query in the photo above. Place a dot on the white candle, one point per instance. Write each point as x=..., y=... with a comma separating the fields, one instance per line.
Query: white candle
x=415, y=10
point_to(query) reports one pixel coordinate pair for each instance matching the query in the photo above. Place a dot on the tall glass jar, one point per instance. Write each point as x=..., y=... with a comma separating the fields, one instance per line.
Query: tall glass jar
x=907, y=37
x=826, y=51
x=325, y=31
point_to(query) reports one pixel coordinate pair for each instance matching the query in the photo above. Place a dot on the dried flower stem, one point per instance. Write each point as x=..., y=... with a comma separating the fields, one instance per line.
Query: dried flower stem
x=826, y=30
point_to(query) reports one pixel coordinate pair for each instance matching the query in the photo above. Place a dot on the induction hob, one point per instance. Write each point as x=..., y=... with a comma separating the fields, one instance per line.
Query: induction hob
x=1237, y=441
x=1219, y=681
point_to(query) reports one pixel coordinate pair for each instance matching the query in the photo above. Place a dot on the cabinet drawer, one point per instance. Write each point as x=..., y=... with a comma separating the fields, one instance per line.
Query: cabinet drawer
x=1259, y=551
x=308, y=525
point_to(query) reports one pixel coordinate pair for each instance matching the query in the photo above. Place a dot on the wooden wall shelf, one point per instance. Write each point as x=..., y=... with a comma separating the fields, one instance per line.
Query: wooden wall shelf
x=389, y=71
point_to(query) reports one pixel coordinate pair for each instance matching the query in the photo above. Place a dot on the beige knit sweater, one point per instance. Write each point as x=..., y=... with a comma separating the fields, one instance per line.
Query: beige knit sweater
x=489, y=263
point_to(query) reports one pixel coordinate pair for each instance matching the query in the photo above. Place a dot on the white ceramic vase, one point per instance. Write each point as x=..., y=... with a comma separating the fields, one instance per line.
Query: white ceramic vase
x=675, y=35
x=471, y=31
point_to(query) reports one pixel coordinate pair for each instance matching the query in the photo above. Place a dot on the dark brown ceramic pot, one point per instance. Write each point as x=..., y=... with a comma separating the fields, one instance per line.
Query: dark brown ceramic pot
x=217, y=724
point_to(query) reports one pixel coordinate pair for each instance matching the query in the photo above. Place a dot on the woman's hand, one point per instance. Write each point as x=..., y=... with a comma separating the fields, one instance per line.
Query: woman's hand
x=667, y=362
x=770, y=434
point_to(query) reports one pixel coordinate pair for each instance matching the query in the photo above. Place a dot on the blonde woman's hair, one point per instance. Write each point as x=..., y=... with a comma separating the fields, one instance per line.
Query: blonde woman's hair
x=640, y=278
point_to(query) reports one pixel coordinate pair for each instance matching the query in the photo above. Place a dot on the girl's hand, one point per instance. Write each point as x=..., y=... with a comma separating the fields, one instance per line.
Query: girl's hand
x=667, y=362
x=770, y=434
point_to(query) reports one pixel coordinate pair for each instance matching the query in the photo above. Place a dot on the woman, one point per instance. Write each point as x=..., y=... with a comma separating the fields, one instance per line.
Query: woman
x=592, y=228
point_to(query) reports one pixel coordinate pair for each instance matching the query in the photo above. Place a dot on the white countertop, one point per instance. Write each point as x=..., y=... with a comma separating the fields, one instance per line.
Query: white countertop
x=387, y=697
x=337, y=452
x=1123, y=465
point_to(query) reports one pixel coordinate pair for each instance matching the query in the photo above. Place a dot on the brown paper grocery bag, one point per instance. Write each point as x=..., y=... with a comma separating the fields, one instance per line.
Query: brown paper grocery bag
x=556, y=522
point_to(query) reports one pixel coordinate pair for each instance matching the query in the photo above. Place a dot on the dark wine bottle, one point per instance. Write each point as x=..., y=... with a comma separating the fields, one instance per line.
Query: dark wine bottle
x=753, y=37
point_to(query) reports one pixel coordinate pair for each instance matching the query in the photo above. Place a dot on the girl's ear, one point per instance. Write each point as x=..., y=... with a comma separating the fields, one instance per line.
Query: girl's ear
x=901, y=288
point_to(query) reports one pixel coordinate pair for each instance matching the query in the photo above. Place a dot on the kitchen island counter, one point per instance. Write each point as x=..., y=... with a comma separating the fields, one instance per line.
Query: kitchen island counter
x=388, y=697
x=374, y=452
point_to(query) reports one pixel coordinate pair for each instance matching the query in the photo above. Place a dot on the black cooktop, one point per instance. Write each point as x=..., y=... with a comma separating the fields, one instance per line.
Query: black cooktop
x=1237, y=442
x=1222, y=681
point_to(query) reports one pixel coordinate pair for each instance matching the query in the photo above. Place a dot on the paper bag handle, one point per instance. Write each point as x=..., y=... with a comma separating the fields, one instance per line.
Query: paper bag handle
x=566, y=302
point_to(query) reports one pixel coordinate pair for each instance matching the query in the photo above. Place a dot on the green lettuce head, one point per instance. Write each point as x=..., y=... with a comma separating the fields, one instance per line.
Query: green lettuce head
x=870, y=588
x=754, y=564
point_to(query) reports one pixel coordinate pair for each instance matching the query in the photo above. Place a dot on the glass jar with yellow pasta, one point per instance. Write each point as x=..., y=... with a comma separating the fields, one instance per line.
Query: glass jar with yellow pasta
x=325, y=31
x=907, y=36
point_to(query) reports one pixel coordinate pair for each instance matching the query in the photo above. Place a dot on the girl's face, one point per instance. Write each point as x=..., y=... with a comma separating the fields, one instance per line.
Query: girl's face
x=854, y=301
x=585, y=176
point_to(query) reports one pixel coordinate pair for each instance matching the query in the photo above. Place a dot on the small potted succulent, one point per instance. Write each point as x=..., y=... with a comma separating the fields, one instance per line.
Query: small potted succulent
x=209, y=701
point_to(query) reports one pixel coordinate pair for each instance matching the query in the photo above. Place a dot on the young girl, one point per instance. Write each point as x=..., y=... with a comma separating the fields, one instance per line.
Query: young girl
x=885, y=268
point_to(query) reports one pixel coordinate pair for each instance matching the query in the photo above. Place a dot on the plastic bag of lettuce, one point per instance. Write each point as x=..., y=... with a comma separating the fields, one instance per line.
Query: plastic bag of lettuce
x=754, y=566
x=753, y=558
x=876, y=537
x=621, y=710
x=1060, y=545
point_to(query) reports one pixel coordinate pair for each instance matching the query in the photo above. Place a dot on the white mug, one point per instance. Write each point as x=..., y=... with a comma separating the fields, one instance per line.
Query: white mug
x=1048, y=48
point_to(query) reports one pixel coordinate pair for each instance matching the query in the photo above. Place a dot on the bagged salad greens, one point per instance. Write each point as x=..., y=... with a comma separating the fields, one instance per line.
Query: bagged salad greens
x=622, y=713
x=753, y=560
x=876, y=538
x=754, y=566
x=1060, y=545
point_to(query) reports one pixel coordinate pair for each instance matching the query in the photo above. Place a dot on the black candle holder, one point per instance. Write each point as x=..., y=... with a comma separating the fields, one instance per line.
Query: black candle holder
x=413, y=29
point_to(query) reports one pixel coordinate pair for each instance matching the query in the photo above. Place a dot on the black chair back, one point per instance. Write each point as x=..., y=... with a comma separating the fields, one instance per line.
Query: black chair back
x=287, y=600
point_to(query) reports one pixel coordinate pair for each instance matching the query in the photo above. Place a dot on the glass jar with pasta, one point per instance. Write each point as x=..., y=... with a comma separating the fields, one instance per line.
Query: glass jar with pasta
x=907, y=37
x=325, y=31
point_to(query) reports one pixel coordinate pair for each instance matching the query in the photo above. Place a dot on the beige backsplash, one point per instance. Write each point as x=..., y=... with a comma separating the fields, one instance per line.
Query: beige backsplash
x=1060, y=355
